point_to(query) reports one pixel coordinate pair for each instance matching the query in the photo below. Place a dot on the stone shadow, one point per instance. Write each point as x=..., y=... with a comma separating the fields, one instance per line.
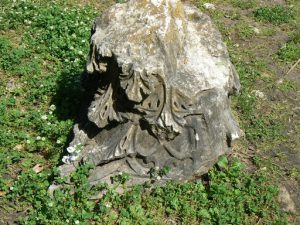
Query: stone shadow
x=74, y=94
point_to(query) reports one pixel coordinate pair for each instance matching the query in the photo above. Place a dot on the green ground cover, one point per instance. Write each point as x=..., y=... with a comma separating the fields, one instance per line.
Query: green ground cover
x=43, y=51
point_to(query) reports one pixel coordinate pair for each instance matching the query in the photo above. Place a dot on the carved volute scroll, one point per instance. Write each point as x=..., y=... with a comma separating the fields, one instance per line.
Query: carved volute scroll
x=160, y=78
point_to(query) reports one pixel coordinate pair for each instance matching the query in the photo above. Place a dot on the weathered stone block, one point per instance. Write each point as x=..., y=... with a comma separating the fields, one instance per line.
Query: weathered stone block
x=160, y=79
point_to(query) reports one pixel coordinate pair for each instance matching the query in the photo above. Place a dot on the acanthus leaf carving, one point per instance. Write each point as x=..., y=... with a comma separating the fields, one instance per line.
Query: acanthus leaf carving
x=102, y=110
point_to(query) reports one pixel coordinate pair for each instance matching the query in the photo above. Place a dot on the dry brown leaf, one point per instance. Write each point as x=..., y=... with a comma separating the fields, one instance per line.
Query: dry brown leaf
x=38, y=168
x=2, y=193
x=19, y=147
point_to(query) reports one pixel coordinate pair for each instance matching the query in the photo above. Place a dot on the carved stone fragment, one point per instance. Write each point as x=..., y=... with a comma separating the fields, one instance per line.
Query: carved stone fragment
x=158, y=84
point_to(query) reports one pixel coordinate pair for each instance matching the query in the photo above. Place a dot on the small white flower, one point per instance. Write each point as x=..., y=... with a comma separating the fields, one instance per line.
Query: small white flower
x=67, y=220
x=43, y=139
x=209, y=6
x=48, y=123
x=76, y=221
x=11, y=188
x=50, y=204
x=73, y=158
x=80, y=52
x=50, y=112
x=83, y=41
x=41, y=85
x=52, y=107
x=71, y=149
x=66, y=160
x=107, y=205
x=44, y=117
x=28, y=141
x=259, y=94
x=158, y=177
x=157, y=168
x=58, y=141
x=38, y=138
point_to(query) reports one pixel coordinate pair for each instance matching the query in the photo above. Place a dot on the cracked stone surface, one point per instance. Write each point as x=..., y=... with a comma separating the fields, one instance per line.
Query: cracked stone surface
x=158, y=88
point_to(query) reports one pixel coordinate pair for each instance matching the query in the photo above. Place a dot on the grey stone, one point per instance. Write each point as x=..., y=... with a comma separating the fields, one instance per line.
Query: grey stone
x=158, y=83
x=286, y=201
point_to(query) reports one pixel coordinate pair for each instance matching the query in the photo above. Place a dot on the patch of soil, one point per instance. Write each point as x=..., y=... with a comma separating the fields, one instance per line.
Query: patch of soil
x=294, y=75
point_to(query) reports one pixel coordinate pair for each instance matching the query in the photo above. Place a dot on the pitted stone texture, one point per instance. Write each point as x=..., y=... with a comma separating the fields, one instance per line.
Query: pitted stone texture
x=161, y=78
